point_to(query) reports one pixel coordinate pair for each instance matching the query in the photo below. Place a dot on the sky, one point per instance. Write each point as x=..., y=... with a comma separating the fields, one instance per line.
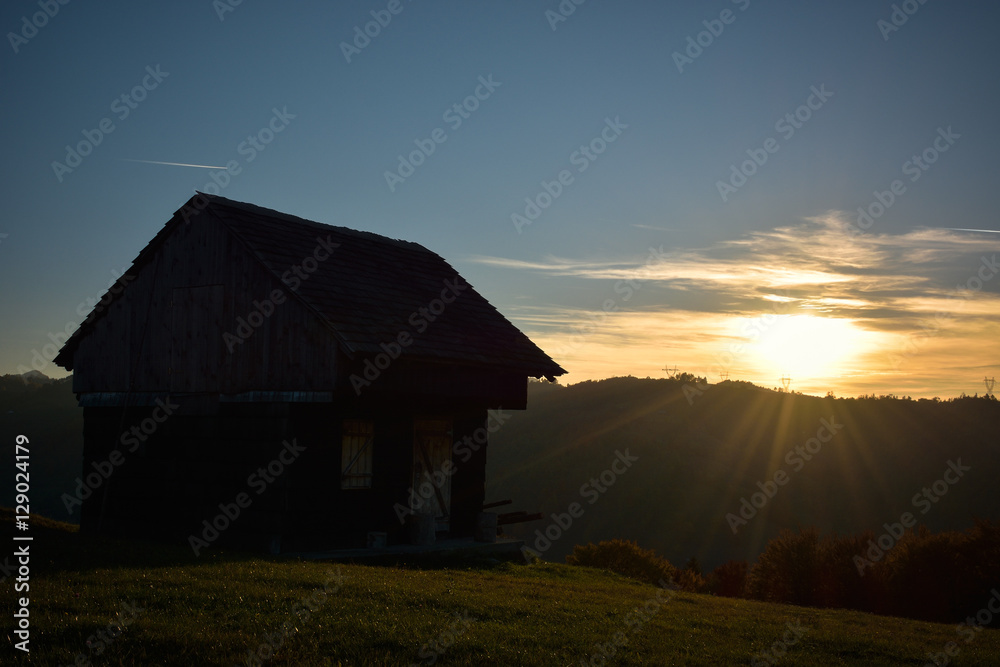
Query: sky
x=735, y=189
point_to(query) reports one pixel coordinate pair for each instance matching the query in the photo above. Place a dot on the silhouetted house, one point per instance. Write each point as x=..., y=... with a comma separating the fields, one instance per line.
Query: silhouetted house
x=317, y=381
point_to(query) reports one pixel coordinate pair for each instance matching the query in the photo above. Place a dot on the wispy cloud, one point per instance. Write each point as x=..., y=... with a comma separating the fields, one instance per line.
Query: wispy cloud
x=696, y=302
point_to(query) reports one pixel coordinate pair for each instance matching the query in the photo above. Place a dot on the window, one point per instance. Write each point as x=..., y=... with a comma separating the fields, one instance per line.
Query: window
x=356, y=440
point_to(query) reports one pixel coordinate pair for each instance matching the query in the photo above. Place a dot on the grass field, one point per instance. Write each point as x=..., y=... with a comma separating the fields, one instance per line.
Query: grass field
x=144, y=604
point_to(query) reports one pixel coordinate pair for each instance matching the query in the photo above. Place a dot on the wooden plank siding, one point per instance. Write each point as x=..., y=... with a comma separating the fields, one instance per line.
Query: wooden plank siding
x=133, y=344
x=197, y=326
x=192, y=463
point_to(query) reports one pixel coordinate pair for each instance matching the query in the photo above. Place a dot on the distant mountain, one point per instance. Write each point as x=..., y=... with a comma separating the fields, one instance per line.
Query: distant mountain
x=699, y=454
x=35, y=377
x=15, y=382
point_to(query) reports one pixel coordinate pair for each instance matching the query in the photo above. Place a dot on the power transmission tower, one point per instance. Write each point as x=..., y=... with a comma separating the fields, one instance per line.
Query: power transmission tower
x=671, y=372
x=990, y=382
x=786, y=382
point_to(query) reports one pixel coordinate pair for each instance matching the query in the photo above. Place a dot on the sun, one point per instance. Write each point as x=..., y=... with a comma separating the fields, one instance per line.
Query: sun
x=806, y=346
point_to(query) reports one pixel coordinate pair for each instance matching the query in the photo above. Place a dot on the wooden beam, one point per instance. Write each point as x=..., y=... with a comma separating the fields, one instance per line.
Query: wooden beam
x=517, y=517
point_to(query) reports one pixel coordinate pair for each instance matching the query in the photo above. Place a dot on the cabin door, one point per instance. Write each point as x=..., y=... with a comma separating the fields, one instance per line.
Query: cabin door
x=431, y=450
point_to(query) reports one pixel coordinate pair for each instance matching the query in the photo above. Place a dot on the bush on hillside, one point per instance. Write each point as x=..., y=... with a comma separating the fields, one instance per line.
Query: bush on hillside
x=936, y=577
x=729, y=579
x=944, y=576
x=629, y=559
x=787, y=570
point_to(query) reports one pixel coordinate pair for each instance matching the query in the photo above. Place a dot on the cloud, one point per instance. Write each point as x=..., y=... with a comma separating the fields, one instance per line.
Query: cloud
x=891, y=289
x=814, y=265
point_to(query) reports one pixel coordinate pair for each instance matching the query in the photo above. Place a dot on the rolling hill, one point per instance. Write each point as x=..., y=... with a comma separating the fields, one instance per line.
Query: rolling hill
x=701, y=451
x=111, y=602
x=698, y=454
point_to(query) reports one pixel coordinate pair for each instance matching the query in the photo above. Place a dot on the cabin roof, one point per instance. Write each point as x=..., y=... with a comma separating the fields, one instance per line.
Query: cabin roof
x=370, y=290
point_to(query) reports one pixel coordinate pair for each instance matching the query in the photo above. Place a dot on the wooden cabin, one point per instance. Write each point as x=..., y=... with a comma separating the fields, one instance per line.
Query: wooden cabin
x=291, y=385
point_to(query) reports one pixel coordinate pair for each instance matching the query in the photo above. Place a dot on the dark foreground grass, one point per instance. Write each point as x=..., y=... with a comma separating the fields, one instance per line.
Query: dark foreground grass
x=168, y=608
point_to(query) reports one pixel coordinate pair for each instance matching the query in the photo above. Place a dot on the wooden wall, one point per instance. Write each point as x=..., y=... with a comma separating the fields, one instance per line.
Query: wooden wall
x=164, y=336
x=191, y=463
x=167, y=327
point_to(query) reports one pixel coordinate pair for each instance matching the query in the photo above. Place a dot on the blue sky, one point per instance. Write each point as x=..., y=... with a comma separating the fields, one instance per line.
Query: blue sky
x=853, y=310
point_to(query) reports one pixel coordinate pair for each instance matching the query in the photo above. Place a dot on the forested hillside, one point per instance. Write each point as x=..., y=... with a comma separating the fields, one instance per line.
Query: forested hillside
x=701, y=451
x=679, y=459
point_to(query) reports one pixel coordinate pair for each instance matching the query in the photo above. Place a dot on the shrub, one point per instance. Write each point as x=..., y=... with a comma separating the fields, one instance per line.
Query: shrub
x=936, y=577
x=944, y=576
x=691, y=581
x=729, y=579
x=840, y=584
x=787, y=570
x=629, y=559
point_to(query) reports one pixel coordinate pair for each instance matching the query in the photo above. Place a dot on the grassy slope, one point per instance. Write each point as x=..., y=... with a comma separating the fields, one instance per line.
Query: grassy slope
x=215, y=609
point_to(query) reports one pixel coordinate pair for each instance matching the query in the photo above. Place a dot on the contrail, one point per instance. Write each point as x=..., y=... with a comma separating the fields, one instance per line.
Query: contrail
x=988, y=231
x=174, y=164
